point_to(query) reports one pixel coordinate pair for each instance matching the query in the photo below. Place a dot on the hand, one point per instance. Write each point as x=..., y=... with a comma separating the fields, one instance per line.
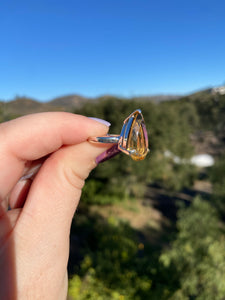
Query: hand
x=34, y=234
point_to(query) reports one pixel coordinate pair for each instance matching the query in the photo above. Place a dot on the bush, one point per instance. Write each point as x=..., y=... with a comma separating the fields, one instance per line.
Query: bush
x=196, y=259
x=217, y=176
x=111, y=267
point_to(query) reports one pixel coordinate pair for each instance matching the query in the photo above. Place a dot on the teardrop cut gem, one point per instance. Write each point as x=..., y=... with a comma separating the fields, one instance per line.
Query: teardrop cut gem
x=137, y=142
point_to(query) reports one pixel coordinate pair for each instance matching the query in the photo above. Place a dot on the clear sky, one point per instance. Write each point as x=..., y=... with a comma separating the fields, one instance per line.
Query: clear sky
x=50, y=48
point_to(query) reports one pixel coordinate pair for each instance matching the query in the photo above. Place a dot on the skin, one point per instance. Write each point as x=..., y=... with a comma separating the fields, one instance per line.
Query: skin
x=34, y=234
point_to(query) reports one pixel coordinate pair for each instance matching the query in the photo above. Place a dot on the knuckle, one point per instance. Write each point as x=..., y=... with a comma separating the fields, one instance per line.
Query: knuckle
x=72, y=172
x=73, y=178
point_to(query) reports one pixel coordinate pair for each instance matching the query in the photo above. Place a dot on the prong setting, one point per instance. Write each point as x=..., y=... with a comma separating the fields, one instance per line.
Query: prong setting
x=135, y=122
x=133, y=139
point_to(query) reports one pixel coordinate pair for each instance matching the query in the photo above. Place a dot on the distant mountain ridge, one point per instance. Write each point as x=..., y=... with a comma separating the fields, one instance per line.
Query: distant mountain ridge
x=68, y=101
x=25, y=105
x=158, y=98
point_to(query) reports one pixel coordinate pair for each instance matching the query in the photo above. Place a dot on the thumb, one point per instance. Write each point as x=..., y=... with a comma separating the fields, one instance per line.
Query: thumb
x=56, y=190
x=42, y=230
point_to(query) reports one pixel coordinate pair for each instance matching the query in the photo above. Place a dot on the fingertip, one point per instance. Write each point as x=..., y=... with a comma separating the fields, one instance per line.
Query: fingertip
x=104, y=122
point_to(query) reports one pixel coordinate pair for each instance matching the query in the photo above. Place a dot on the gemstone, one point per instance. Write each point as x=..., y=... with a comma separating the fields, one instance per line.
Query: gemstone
x=137, y=142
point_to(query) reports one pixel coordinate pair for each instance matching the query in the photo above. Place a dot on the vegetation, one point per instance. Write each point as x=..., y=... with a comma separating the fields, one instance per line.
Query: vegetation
x=117, y=265
x=118, y=261
x=169, y=128
x=196, y=258
x=217, y=175
x=183, y=255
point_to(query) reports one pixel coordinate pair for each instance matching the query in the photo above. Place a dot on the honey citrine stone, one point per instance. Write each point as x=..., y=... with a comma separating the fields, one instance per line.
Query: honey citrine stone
x=137, y=141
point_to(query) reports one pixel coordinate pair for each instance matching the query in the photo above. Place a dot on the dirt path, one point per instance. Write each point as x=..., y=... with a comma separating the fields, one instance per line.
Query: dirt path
x=157, y=209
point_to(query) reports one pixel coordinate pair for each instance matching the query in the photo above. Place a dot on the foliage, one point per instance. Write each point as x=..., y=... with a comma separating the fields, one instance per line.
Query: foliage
x=217, y=176
x=114, y=261
x=116, y=264
x=169, y=126
x=210, y=110
x=197, y=255
x=112, y=265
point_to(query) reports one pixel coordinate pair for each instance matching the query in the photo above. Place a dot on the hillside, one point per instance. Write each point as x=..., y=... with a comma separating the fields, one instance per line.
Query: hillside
x=68, y=102
x=135, y=232
x=24, y=105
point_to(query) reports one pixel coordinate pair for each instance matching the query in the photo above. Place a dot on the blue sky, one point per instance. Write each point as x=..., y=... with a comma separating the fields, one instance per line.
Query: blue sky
x=50, y=48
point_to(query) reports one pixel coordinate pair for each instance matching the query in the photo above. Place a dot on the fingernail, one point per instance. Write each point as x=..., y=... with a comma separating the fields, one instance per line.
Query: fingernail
x=101, y=121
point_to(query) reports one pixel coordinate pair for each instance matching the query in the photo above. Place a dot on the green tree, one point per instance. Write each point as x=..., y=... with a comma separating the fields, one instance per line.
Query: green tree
x=217, y=177
x=196, y=258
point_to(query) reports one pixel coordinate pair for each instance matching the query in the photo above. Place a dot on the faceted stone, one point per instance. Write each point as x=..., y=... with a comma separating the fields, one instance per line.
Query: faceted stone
x=137, y=141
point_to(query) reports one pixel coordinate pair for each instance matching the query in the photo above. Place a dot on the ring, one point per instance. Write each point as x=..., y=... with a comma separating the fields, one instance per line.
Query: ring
x=133, y=139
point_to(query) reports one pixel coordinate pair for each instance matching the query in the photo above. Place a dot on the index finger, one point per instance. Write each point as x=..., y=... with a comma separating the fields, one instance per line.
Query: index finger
x=34, y=136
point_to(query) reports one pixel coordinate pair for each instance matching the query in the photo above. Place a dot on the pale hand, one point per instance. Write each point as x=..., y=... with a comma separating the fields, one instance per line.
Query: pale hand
x=34, y=234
